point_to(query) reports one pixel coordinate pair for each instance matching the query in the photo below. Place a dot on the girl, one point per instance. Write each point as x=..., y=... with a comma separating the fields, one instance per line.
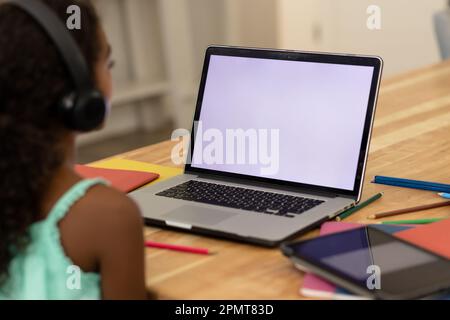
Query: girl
x=61, y=237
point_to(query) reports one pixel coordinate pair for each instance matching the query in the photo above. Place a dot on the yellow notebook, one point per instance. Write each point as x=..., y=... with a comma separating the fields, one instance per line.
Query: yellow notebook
x=124, y=164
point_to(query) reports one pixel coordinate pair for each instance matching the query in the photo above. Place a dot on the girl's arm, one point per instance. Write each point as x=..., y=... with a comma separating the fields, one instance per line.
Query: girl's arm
x=121, y=249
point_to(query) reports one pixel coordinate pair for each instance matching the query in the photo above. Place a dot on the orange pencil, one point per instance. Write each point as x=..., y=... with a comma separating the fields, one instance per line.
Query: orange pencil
x=408, y=210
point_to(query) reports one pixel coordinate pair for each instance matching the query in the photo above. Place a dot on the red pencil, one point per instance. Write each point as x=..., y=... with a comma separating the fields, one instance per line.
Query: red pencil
x=152, y=244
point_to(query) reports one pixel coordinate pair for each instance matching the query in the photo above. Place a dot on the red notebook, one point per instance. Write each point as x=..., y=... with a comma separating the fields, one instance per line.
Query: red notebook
x=434, y=237
x=123, y=180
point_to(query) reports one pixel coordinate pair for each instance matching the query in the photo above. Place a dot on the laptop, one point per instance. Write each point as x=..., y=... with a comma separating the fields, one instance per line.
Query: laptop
x=279, y=145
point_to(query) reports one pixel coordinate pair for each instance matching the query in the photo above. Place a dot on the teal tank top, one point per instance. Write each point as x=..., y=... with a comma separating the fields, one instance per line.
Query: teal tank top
x=43, y=271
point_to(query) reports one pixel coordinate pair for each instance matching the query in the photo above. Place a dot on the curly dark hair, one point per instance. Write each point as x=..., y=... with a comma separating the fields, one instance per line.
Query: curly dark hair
x=33, y=78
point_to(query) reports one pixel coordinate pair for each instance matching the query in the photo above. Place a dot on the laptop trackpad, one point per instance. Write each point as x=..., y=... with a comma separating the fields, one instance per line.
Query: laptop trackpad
x=194, y=215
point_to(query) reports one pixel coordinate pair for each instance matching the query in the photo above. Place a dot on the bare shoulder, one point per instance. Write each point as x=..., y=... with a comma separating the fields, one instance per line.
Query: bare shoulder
x=106, y=206
x=103, y=219
x=105, y=197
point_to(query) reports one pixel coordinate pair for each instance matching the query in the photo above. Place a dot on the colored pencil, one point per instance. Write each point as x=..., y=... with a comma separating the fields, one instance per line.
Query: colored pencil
x=351, y=211
x=444, y=195
x=415, y=221
x=408, y=210
x=152, y=244
x=415, y=184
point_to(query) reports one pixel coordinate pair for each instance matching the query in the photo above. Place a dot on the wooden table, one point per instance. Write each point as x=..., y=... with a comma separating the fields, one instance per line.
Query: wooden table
x=411, y=139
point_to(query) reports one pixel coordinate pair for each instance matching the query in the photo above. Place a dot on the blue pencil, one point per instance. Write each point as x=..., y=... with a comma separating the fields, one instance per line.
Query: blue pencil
x=444, y=195
x=414, y=184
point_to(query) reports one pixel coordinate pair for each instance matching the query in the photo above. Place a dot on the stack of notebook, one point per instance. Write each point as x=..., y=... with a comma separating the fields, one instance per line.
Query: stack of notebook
x=126, y=175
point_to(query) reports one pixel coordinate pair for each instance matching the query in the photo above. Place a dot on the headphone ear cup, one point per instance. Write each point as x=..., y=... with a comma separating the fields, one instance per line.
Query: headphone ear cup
x=84, y=112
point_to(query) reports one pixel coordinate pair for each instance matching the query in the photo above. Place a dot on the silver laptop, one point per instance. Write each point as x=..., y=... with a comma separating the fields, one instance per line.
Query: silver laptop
x=279, y=145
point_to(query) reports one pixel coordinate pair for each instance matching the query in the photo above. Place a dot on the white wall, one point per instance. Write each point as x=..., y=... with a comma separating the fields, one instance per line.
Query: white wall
x=251, y=23
x=405, y=41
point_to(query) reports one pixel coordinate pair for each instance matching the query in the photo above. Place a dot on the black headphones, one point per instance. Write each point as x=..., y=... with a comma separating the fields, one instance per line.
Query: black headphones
x=85, y=108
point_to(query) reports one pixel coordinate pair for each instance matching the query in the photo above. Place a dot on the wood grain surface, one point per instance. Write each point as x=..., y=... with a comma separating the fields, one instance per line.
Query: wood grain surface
x=411, y=139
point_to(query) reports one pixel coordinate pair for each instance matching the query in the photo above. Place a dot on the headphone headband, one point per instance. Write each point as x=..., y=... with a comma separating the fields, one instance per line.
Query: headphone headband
x=66, y=45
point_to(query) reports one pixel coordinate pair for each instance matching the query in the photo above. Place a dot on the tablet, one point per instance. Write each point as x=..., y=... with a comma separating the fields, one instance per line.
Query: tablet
x=372, y=263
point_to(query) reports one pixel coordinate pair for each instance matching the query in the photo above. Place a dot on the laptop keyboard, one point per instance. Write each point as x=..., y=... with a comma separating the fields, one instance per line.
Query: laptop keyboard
x=241, y=198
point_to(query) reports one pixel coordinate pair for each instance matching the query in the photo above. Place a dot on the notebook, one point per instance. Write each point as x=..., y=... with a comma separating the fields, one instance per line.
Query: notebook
x=316, y=287
x=123, y=180
x=164, y=172
x=434, y=237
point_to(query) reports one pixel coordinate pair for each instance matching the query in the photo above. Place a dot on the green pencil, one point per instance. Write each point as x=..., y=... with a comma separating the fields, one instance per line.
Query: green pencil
x=351, y=211
x=415, y=221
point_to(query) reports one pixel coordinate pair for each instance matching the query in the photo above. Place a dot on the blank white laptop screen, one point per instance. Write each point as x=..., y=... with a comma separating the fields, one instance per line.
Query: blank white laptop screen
x=303, y=121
